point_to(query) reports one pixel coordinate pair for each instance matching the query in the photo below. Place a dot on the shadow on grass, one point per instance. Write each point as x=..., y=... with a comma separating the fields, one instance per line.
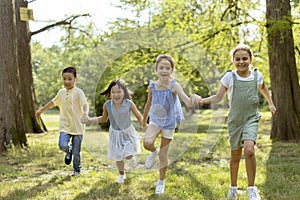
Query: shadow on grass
x=109, y=191
x=202, y=189
x=283, y=172
x=115, y=191
x=29, y=193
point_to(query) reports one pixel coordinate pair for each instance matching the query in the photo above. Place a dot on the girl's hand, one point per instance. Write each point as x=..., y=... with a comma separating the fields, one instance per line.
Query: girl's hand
x=144, y=126
x=196, y=99
x=272, y=109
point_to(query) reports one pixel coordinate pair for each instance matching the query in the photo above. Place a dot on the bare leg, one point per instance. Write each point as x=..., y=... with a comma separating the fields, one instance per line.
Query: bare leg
x=120, y=166
x=163, y=157
x=150, y=137
x=234, y=165
x=250, y=161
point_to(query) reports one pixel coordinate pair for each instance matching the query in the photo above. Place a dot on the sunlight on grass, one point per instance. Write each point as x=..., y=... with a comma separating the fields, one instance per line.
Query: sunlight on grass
x=199, y=166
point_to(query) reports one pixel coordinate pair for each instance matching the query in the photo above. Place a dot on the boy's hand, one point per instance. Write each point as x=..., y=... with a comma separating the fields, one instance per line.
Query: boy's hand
x=38, y=112
x=272, y=109
x=84, y=119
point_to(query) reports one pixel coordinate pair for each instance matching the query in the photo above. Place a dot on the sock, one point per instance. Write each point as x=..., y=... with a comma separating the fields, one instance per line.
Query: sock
x=160, y=182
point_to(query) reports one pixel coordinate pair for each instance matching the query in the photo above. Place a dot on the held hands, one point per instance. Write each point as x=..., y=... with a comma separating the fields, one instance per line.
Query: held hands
x=84, y=119
x=196, y=99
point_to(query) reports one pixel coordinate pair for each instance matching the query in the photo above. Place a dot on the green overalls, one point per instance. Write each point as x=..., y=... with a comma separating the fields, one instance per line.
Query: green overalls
x=243, y=116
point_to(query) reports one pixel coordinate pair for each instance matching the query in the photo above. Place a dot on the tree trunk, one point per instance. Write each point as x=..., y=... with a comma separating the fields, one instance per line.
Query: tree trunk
x=283, y=71
x=16, y=84
x=24, y=62
x=10, y=120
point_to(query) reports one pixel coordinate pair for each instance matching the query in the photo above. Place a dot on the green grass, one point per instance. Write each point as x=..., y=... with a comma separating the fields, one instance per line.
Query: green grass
x=199, y=166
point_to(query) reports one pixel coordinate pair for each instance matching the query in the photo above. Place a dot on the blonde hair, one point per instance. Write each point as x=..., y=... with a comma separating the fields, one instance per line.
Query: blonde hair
x=168, y=58
x=243, y=47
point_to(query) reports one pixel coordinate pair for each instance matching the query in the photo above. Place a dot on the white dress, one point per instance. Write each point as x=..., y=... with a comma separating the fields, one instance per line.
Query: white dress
x=124, y=140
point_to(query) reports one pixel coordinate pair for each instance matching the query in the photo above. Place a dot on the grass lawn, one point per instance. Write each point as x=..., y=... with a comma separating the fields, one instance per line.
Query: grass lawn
x=198, y=169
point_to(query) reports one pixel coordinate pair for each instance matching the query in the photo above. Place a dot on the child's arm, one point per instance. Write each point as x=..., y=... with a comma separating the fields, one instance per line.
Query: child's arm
x=178, y=90
x=264, y=90
x=137, y=113
x=100, y=119
x=214, y=98
x=48, y=105
x=85, y=116
x=147, y=109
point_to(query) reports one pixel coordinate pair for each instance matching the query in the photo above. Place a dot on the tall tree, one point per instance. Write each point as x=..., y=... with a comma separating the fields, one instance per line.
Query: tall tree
x=12, y=123
x=283, y=71
x=25, y=70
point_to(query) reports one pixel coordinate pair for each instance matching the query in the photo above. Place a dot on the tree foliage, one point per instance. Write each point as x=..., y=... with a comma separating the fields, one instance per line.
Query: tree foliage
x=198, y=34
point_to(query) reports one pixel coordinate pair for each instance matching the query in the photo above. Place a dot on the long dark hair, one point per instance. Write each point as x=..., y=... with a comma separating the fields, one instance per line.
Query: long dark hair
x=121, y=84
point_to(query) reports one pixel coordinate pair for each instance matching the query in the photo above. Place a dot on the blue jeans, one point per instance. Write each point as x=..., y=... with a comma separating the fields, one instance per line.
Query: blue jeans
x=75, y=148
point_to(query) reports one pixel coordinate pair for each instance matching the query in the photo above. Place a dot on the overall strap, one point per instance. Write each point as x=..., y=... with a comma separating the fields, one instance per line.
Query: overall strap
x=233, y=86
x=255, y=78
x=225, y=73
x=233, y=76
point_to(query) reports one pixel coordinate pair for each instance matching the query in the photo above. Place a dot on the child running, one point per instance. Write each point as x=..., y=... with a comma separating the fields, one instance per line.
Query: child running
x=73, y=106
x=241, y=86
x=165, y=112
x=124, y=141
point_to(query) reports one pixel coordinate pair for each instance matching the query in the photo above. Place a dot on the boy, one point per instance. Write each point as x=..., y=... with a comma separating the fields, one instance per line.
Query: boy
x=73, y=106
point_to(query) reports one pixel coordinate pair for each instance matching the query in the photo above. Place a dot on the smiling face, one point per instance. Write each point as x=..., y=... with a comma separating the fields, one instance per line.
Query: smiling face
x=242, y=60
x=164, y=69
x=68, y=80
x=117, y=94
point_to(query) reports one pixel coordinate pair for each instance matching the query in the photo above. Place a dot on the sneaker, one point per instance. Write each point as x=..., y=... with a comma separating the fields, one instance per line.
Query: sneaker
x=232, y=193
x=68, y=158
x=253, y=193
x=150, y=160
x=121, y=178
x=160, y=188
x=75, y=173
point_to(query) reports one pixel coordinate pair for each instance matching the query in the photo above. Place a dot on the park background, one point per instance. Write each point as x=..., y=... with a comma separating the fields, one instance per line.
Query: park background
x=199, y=35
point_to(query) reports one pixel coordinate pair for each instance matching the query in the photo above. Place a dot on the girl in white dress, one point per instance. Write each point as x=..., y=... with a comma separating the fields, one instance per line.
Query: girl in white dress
x=124, y=141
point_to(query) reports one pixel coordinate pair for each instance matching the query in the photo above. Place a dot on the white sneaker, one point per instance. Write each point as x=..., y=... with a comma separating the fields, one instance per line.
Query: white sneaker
x=160, y=188
x=121, y=178
x=232, y=193
x=253, y=193
x=150, y=160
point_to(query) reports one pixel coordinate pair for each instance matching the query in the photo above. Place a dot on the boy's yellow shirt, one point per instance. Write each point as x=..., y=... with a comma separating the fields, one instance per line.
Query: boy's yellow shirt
x=70, y=104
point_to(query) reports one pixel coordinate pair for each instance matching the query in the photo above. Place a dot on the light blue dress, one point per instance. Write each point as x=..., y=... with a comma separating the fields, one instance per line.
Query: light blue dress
x=166, y=110
x=124, y=140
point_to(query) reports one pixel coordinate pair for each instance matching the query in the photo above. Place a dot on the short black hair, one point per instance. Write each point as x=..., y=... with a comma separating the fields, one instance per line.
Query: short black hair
x=71, y=70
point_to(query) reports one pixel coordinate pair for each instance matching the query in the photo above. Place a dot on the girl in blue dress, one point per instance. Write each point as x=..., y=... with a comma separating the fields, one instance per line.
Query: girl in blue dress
x=165, y=112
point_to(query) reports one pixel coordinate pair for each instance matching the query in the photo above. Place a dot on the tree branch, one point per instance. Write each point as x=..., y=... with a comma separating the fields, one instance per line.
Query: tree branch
x=66, y=22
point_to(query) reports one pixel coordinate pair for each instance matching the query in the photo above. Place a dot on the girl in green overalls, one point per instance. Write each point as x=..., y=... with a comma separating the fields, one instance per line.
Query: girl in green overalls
x=241, y=86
